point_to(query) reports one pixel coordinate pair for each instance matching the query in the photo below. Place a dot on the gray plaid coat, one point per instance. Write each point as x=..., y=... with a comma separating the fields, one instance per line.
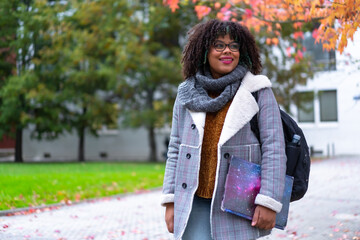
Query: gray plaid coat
x=183, y=163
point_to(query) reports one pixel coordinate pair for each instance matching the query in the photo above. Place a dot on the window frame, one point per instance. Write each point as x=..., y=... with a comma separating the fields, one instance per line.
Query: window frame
x=317, y=110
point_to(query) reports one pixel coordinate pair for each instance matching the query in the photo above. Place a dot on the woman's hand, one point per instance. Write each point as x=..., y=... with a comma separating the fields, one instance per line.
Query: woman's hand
x=263, y=218
x=169, y=217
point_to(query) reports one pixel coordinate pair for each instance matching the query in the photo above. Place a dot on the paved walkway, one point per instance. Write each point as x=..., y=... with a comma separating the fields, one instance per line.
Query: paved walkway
x=330, y=210
x=331, y=207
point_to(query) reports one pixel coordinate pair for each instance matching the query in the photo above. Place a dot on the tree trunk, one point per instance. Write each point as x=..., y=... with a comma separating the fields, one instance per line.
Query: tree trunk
x=19, y=135
x=18, y=145
x=81, y=154
x=152, y=144
x=81, y=134
x=150, y=126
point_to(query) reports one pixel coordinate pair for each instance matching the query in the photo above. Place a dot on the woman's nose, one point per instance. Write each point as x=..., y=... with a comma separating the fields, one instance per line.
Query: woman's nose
x=227, y=49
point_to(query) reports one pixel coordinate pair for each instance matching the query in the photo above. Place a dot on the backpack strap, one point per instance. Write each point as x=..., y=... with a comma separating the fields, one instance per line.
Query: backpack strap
x=254, y=121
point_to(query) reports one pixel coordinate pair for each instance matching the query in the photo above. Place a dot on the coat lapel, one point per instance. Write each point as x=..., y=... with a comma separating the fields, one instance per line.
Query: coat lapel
x=241, y=110
x=243, y=106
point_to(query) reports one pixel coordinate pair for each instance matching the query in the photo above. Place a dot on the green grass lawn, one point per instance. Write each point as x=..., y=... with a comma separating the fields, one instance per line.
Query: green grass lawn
x=34, y=184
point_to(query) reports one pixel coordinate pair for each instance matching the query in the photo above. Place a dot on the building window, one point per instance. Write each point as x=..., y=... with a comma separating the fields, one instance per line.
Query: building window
x=305, y=106
x=328, y=106
x=322, y=59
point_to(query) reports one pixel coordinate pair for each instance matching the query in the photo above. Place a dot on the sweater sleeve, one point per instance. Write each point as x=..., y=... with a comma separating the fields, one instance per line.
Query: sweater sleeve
x=273, y=165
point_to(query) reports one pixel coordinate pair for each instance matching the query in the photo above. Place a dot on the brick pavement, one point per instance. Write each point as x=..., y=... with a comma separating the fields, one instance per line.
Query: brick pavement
x=330, y=210
x=133, y=217
x=331, y=207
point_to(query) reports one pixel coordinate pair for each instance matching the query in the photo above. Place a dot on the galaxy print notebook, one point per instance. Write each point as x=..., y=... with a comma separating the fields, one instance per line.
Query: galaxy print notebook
x=241, y=187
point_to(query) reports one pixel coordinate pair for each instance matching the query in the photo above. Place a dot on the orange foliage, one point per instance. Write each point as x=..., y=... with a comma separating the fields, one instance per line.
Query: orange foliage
x=202, y=11
x=275, y=41
x=339, y=19
x=173, y=4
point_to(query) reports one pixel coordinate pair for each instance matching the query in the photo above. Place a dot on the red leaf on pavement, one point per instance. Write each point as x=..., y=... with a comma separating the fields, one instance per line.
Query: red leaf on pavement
x=91, y=237
x=77, y=197
x=5, y=226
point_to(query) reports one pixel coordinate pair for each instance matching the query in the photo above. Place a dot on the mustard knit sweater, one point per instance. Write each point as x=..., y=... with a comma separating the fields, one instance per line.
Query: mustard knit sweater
x=213, y=125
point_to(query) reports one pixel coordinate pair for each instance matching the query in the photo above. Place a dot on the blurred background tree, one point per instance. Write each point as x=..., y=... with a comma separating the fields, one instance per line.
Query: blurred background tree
x=67, y=57
x=20, y=32
x=85, y=59
x=82, y=64
x=153, y=69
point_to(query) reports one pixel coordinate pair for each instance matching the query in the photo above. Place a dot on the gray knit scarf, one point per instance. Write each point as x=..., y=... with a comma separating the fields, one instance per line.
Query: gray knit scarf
x=193, y=92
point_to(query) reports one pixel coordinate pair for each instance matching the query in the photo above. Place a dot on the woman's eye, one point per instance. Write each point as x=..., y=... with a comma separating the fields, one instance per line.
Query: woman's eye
x=234, y=46
x=219, y=45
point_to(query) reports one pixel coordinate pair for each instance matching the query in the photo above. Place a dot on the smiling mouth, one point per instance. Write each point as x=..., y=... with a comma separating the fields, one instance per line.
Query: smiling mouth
x=226, y=60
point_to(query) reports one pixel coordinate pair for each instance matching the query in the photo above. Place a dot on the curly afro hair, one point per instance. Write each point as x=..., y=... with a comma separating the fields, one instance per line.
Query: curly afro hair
x=203, y=35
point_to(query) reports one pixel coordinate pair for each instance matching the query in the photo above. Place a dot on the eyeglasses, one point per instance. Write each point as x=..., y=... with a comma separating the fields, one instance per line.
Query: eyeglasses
x=220, y=46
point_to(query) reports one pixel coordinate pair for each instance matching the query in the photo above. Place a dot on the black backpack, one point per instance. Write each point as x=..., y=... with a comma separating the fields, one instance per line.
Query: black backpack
x=298, y=157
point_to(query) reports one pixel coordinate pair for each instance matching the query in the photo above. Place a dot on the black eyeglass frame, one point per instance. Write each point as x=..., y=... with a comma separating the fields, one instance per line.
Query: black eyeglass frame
x=226, y=45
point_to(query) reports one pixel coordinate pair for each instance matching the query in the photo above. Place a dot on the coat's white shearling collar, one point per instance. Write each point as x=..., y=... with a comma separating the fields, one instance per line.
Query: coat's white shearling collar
x=243, y=106
x=241, y=110
x=254, y=83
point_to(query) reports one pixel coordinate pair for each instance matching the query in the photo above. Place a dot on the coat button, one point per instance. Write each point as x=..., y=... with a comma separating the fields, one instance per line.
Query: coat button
x=193, y=126
x=184, y=185
x=188, y=156
x=226, y=155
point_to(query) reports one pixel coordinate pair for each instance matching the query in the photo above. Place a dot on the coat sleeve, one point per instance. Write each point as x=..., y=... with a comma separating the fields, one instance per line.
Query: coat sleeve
x=172, y=156
x=273, y=165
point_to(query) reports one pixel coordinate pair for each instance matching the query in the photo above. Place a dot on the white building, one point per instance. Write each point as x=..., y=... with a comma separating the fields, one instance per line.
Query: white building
x=332, y=124
x=120, y=145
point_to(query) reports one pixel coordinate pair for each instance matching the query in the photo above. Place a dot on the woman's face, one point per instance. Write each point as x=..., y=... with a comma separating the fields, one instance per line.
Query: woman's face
x=223, y=62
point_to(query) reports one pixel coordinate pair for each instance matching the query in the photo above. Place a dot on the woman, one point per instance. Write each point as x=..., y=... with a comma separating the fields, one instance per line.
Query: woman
x=211, y=122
